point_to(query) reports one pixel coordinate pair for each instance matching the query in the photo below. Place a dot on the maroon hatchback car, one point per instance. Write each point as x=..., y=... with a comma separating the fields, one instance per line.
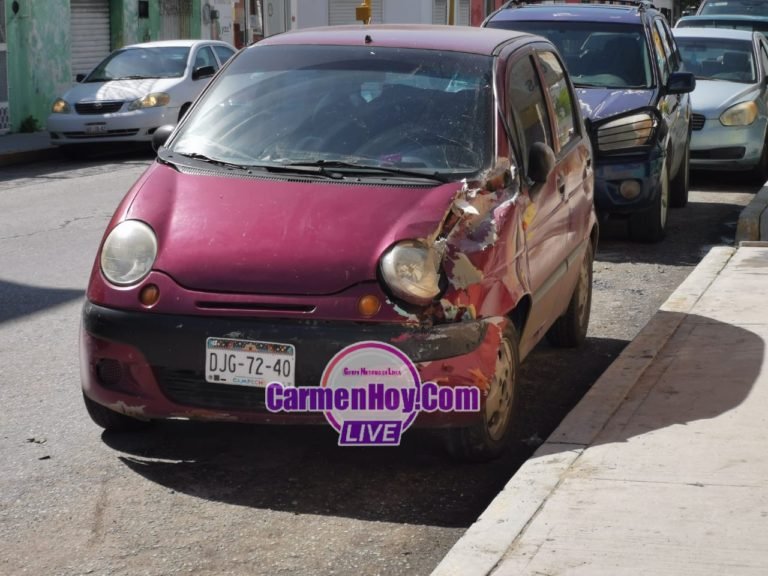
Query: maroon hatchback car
x=427, y=187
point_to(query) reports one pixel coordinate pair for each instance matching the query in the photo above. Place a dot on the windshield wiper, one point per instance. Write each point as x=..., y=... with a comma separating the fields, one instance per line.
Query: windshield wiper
x=214, y=161
x=346, y=167
x=133, y=77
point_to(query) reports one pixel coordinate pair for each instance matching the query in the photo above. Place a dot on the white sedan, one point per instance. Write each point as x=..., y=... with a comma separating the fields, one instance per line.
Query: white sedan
x=135, y=90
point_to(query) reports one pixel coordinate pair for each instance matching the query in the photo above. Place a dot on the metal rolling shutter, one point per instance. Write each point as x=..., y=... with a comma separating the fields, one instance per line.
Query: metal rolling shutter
x=343, y=12
x=89, y=30
x=440, y=12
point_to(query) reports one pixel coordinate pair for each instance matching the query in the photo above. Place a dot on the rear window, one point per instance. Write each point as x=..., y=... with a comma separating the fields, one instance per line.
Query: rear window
x=718, y=59
x=597, y=54
x=746, y=7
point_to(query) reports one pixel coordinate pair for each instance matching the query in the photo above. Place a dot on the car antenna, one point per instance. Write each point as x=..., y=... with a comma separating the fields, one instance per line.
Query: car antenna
x=368, y=39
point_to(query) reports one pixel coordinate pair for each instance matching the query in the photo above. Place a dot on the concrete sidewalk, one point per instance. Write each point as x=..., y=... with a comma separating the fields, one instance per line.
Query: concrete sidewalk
x=662, y=468
x=22, y=148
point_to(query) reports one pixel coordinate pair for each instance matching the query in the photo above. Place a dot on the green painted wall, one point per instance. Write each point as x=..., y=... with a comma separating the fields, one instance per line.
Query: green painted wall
x=39, y=47
x=38, y=57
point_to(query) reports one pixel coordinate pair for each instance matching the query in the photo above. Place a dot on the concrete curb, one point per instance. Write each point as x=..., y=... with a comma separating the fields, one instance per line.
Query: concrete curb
x=506, y=518
x=753, y=220
x=27, y=156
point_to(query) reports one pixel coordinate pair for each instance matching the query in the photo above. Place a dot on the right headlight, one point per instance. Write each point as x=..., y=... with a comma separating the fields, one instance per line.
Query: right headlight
x=60, y=106
x=627, y=132
x=411, y=270
x=128, y=253
x=739, y=115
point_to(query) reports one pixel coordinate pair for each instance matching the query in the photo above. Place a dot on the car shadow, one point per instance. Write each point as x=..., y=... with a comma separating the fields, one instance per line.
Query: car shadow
x=61, y=164
x=300, y=469
x=17, y=300
x=705, y=370
x=716, y=223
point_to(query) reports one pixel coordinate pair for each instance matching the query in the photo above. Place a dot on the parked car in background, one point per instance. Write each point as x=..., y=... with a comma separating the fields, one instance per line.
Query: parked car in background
x=135, y=90
x=734, y=22
x=626, y=68
x=730, y=103
x=741, y=7
x=430, y=187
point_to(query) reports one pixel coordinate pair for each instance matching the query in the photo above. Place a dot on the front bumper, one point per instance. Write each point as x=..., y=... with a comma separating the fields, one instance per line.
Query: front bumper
x=718, y=147
x=152, y=366
x=129, y=126
x=611, y=171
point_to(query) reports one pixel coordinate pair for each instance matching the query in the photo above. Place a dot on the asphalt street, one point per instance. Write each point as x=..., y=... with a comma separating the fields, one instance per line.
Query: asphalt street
x=235, y=499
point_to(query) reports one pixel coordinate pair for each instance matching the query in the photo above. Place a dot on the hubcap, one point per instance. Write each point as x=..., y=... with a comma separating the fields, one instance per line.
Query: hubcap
x=497, y=405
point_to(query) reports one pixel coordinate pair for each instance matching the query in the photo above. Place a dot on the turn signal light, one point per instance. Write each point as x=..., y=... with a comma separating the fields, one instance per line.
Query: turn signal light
x=149, y=295
x=369, y=305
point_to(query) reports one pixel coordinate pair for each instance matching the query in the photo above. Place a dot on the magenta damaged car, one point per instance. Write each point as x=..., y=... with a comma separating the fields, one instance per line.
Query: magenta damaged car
x=426, y=187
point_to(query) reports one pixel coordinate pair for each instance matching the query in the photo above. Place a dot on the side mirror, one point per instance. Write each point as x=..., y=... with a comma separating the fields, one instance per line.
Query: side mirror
x=79, y=77
x=160, y=136
x=541, y=162
x=681, y=83
x=203, y=72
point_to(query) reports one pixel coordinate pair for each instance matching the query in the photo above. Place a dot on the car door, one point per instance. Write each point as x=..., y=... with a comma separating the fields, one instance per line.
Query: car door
x=545, y=210
x=574, y=173
x=674, y=108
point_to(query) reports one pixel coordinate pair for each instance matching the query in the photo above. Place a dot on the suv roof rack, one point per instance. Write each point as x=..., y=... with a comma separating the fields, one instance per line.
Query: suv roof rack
x=640, y=4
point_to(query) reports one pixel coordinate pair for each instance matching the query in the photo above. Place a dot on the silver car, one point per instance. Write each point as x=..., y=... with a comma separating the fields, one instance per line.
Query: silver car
x=135, y=90
x=730, y=103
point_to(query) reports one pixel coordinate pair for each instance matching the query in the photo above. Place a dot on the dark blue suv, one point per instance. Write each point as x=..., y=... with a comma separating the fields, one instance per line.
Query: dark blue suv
x=625, y=65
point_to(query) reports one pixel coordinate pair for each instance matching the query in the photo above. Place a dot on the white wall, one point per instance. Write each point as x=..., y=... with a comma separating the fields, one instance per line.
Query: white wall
x=407, y=11
x=310, y=13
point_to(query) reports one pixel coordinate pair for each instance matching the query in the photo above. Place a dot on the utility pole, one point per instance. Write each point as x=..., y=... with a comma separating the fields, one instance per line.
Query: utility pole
x=363, y=12
x=452, y=12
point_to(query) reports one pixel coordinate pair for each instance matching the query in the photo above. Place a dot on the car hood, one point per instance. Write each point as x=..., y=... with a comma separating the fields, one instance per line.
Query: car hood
x=712, y=97
x=249, y=235
x=118, y=89
x=600, y=103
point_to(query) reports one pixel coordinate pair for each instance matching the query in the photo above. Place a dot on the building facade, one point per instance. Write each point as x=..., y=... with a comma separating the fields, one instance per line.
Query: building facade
x=45, y=44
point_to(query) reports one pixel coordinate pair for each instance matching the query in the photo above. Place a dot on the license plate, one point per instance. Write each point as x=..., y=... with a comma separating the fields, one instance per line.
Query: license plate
x=249, y=362
x=96, y=129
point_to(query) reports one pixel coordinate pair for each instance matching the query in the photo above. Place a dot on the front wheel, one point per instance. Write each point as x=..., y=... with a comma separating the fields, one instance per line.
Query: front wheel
x=651, y=225
x=489, y=438
x=110, y=420
x=570, y=330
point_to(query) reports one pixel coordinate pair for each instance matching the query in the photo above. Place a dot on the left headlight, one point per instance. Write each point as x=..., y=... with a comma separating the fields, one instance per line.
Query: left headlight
x=411, y=270
x=627, y=132
x=128, y=252
x=739, y=115
x=150, y=101
x=60, y=106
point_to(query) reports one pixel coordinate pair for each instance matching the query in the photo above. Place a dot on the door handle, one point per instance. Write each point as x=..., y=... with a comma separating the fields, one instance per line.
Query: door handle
x=561, y=185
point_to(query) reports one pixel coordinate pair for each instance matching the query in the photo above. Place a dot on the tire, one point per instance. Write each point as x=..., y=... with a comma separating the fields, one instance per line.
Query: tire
x=651, y=225
x=760, y=172
x=110, y=420
x=678, y=188
x=570, y=330
x=489, y=438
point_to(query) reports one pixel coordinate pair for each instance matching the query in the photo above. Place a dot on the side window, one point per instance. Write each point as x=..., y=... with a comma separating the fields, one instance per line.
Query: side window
x=561, y=97
x=205, y=58
x=527, y=104
x=660, y=54
x=223, y=53
x=669, y=41
x=764, y=58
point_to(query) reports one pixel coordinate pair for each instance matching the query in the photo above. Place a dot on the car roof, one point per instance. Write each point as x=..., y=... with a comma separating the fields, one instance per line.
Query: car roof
x=178, y=43
x=723, y=18
x=429, y=37
x=571, y=12
x=727, y=33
